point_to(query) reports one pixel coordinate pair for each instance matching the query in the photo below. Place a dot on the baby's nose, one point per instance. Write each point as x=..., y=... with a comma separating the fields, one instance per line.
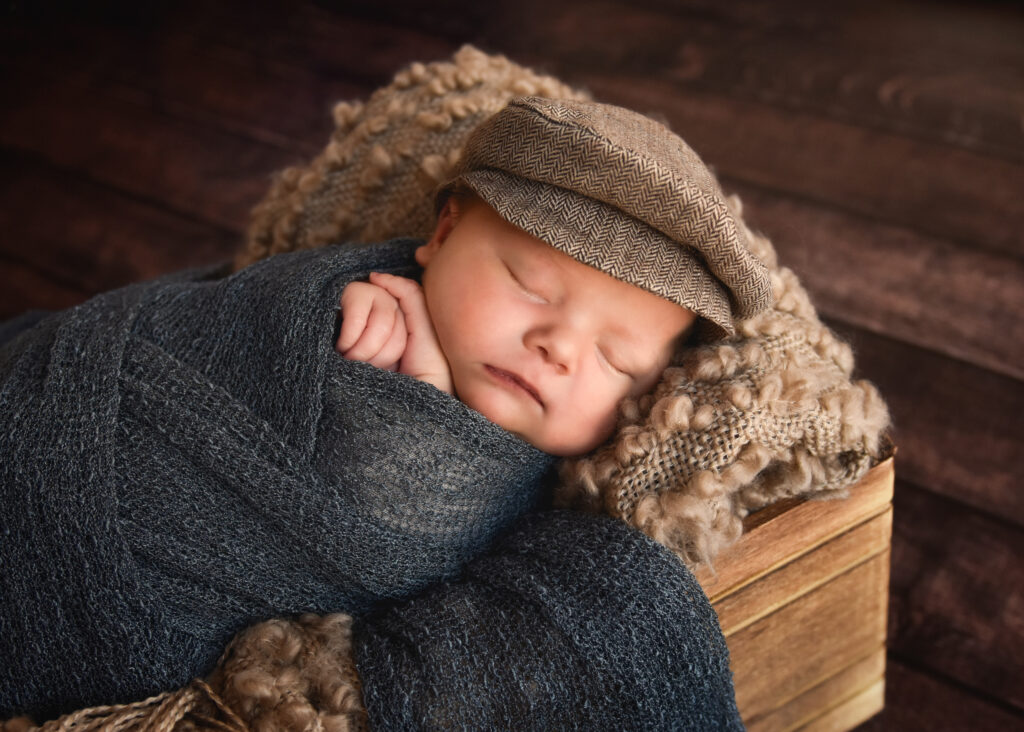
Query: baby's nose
x=556, y=346
x=552, y=356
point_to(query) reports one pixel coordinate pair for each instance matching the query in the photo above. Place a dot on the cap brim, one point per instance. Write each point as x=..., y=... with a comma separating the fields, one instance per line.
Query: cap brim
x=609, y=240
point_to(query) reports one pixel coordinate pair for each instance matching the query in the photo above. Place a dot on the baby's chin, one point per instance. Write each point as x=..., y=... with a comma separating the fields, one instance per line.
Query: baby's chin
x=571, y=439
x=504, y=410
x=570, y=448
x=571, y=443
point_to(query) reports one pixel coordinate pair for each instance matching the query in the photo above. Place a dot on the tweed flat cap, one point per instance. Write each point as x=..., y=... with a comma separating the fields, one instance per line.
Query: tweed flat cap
x=622, y=193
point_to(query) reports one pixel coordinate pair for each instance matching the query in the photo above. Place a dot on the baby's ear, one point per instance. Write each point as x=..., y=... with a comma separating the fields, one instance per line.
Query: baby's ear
x=446, y=221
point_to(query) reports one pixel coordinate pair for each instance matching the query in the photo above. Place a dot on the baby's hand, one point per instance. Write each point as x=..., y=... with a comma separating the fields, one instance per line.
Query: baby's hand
x=386, y=324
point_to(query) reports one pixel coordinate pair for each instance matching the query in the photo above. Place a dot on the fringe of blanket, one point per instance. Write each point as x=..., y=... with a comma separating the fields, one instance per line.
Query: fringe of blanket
x=276, y=676
x=195, y=708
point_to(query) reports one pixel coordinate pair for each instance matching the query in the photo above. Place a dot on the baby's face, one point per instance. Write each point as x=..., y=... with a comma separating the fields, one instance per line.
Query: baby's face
x=539, y=343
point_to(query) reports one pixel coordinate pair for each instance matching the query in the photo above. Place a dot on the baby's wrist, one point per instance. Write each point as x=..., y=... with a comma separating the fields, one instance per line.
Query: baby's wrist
x=442, y=381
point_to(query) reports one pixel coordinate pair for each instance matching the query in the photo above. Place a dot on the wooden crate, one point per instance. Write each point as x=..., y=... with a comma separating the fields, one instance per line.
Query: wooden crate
x=802, y=599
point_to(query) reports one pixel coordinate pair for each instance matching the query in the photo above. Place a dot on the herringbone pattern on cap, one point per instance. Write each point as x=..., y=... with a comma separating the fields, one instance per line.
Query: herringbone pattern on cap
x=638, y=167
x=569, y=223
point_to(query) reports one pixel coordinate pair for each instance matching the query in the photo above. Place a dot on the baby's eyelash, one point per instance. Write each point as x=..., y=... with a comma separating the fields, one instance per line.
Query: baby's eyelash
x=523, y=287
x=612, y=365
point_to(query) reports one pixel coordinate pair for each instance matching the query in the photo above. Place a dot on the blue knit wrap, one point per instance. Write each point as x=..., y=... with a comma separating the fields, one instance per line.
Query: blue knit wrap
x=571, y=621
x=185, y=457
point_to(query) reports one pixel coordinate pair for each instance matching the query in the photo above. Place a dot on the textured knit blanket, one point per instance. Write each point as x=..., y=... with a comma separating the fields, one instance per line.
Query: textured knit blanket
x=185, y=457
x=572, y=622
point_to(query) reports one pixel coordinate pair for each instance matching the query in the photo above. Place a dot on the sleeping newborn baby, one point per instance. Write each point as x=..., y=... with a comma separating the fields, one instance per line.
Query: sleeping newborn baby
x=192, y=455
x=536, y=341
x=561, y=277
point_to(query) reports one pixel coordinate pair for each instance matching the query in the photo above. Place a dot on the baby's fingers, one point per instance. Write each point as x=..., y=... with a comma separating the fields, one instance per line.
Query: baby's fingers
x=390, y=353
x=411, y=300
x=423, y=358
x=356, y=303
x=380, y=324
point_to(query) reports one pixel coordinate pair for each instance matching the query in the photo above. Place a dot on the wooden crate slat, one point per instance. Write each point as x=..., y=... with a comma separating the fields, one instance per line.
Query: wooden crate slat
x=811, y=639
x=851, y=712
x=814, y=702
x=805, y=574
x=805, y=526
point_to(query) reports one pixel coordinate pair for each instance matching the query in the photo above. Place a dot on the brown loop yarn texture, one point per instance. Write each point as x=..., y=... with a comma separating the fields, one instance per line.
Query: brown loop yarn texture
x=276, y=676
x=293, y=676
x=387, y=156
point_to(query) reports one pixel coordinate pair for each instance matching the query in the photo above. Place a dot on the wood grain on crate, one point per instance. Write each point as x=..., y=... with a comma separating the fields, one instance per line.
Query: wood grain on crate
x=802, y=599
x=827, y=701
x=784, y=531
x=807, y=642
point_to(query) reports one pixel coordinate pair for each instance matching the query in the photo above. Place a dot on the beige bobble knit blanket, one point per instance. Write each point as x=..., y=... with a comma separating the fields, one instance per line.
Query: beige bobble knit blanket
x=768, y=414
x=377, y=176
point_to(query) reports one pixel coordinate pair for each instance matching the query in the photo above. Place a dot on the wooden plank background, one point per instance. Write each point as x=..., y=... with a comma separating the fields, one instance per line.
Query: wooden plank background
x=879, y=144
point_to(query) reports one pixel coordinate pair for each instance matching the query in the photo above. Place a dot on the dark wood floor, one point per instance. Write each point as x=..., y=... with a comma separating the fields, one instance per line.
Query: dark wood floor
x=881, y=146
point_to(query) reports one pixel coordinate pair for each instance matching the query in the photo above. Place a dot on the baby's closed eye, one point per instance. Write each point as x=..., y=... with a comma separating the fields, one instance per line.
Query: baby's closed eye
x=530, y=292
x=614, y=362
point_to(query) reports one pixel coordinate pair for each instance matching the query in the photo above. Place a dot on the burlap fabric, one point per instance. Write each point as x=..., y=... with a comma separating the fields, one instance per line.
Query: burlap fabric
x=770, y=413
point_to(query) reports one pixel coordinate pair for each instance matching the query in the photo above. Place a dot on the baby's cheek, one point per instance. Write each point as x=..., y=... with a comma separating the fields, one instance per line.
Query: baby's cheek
x=579, y=431
x=603, y=428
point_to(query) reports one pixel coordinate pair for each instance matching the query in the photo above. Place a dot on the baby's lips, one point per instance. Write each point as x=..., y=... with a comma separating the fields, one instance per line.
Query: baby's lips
x=520, y=381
